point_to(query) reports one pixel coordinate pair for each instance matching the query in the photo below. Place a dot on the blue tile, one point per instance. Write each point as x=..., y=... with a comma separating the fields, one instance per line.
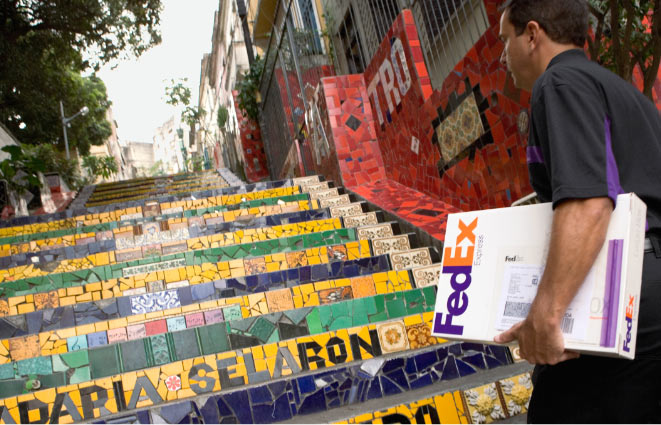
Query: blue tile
x=259, y=395
x=306, y=384
x=450, y=370
x=455, y=349
x=425, y=360
x=423, y=381
x=501, y=353
x=399, y=378
x=492, y=362
x=75, y=343
x=393, y=364
x=277, y=388
x=239, y=400
x=410, y=366
x=97, y=339
x=389, y=387
x=223, y=408
x=313, y=403
x=176, y=323
x=464, y=368
x=476, y=360
x=210, y=411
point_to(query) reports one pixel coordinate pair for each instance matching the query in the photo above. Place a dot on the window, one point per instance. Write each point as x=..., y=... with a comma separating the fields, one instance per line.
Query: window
x=350, y=39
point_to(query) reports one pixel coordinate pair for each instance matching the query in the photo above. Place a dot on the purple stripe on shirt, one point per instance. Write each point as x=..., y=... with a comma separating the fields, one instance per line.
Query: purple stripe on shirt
x=612, y=173
x=534, y=155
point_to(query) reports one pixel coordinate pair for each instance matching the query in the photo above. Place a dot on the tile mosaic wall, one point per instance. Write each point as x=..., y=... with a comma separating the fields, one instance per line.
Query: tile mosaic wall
x=252, y=147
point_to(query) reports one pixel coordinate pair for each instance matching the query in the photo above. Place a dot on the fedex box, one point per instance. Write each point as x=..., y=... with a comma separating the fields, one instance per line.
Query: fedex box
x=493, y=261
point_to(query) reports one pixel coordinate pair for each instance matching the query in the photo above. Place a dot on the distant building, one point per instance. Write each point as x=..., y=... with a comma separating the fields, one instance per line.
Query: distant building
x=220, y=69
x=172, y=145
x=113, y=147
x=140, y=157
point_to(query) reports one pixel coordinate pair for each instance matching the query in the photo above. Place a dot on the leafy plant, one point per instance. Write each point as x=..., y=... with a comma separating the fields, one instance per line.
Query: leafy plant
x=21, y=170
x=44, y=46
x=195, y=163
x=156, y=169
x=248, y=89
x=55, y=161
x=100, y=166
x=177, y=93
x=223, y=115
x=627, y=33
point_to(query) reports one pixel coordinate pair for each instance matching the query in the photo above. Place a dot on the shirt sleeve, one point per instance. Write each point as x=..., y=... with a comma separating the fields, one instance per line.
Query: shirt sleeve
x=576, y=143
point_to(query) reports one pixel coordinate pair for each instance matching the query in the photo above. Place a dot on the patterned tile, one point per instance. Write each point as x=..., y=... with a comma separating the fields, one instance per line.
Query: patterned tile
x=347, y=210
x=279, y=300
x=393, y=336
x=324, y=194
x=155, y=301
x=361, y=219
x=410, y=259
x=391, y=245
x=516, y=392
x=24, y=347
x=427, y=275
x=375, y=231
x=419, y=336
x=335, y=201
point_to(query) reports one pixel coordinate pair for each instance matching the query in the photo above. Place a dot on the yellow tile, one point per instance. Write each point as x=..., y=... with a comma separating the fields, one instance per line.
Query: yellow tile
x=25, y=308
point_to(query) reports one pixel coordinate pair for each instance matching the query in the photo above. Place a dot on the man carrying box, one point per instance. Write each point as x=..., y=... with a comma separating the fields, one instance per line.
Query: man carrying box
x=592, y=137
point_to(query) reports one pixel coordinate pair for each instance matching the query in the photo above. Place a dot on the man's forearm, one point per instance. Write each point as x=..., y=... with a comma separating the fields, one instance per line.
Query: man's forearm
x=578, y=233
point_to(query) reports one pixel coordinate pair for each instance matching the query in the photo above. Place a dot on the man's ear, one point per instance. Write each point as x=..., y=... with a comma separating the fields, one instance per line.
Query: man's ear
x=533, y=33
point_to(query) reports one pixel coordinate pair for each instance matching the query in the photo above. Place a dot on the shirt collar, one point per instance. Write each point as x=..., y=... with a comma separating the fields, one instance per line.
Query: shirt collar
x=566, y=56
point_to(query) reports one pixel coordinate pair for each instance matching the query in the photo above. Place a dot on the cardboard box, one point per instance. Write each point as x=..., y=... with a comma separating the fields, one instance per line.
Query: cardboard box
x=493, y=260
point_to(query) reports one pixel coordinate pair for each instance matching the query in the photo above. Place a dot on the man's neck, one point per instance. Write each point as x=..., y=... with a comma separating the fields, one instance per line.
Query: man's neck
x=553, y=50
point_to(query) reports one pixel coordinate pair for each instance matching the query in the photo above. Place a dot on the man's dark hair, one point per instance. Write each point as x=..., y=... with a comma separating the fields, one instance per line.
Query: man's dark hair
x=565, y=21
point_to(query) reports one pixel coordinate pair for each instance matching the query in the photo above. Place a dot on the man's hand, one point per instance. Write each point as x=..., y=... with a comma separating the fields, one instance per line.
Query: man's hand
x=540, y=340
x=578, y=233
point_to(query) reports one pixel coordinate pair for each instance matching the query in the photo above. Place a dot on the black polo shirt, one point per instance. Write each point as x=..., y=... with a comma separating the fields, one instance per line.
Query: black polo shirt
x=592, y=134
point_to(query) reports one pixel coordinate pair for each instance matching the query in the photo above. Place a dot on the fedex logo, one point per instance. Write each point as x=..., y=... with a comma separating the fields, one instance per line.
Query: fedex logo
x=629, y=319
x=458, y=263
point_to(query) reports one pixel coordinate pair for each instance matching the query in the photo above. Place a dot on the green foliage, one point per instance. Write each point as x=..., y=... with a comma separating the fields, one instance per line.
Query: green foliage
x=177, y=93
x=21, y=169
x=223, y=116
x=100, y=166
x=627, y=33
x=41, y=60
x=156, y=169
x=248, y=89
x=194, y=163
x=55, y=161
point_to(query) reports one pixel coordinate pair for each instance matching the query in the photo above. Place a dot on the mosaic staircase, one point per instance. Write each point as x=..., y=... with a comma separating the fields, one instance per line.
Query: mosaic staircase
x=197, y=298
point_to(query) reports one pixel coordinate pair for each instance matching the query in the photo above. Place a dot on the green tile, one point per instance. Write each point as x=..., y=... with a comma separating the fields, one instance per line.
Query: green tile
x=262, y=329
x=376, y=309
x=325, y=316
x=160, y=350
x=7, y=371
x=104, y=361
x=415, y=302
x=232, y=312
x=185, y=344
x=76, y=359
x=430, y=296
x=12, y=388
x=395, y=306
x=298, y=314
x=314, y=323
x=82, y=374
x=53, y=380
x=213, y=338
x=34, y=366
x=359, y=313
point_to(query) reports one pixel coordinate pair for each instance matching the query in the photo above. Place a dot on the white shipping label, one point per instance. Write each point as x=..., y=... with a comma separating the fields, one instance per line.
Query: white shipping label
x=520, y=284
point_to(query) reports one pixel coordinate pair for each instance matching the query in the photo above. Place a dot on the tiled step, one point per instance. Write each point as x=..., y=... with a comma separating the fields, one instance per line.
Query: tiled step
x=149, y=244
x=234, y=324
x=214, y=214
x=48, y=222
x=150, y=233
x=66, y=327
x=265, y=331
x=86, y=313
x=182, y=269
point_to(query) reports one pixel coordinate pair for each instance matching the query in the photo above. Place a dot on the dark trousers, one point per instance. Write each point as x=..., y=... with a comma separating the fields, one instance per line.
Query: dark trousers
x=605, y=390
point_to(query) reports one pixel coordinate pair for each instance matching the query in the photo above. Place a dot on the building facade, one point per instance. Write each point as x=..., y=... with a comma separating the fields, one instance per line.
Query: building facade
x=172, y=146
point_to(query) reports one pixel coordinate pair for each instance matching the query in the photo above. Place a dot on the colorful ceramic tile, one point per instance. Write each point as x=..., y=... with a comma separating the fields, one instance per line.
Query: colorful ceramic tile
x=154, y=267
x=117, y=335
x=393, y=336
x=517, y=391
x=410, y=259
x=360, y=219
x=194, y=320
x=426, y=275
x=76, y=343
x=136, y=331
x=155, y=301
x=324, y=194
x=419, y=336
x=176, y=323
x=24, y=347
x=391, y=245
x=279, y=300
x=333, y=295
x=46, y=300
x=375, y=231
x=347, y=210
x=213, y=316
x=334, y=201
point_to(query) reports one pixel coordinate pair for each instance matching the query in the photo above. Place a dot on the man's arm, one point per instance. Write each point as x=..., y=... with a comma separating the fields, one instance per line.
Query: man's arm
x=578, y=233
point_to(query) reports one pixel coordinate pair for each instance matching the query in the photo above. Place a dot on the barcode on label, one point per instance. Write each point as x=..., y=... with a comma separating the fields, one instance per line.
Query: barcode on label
x=567, y=325
x=513, y=309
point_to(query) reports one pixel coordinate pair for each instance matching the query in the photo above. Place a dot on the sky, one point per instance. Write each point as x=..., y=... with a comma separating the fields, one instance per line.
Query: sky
x=136, y=88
